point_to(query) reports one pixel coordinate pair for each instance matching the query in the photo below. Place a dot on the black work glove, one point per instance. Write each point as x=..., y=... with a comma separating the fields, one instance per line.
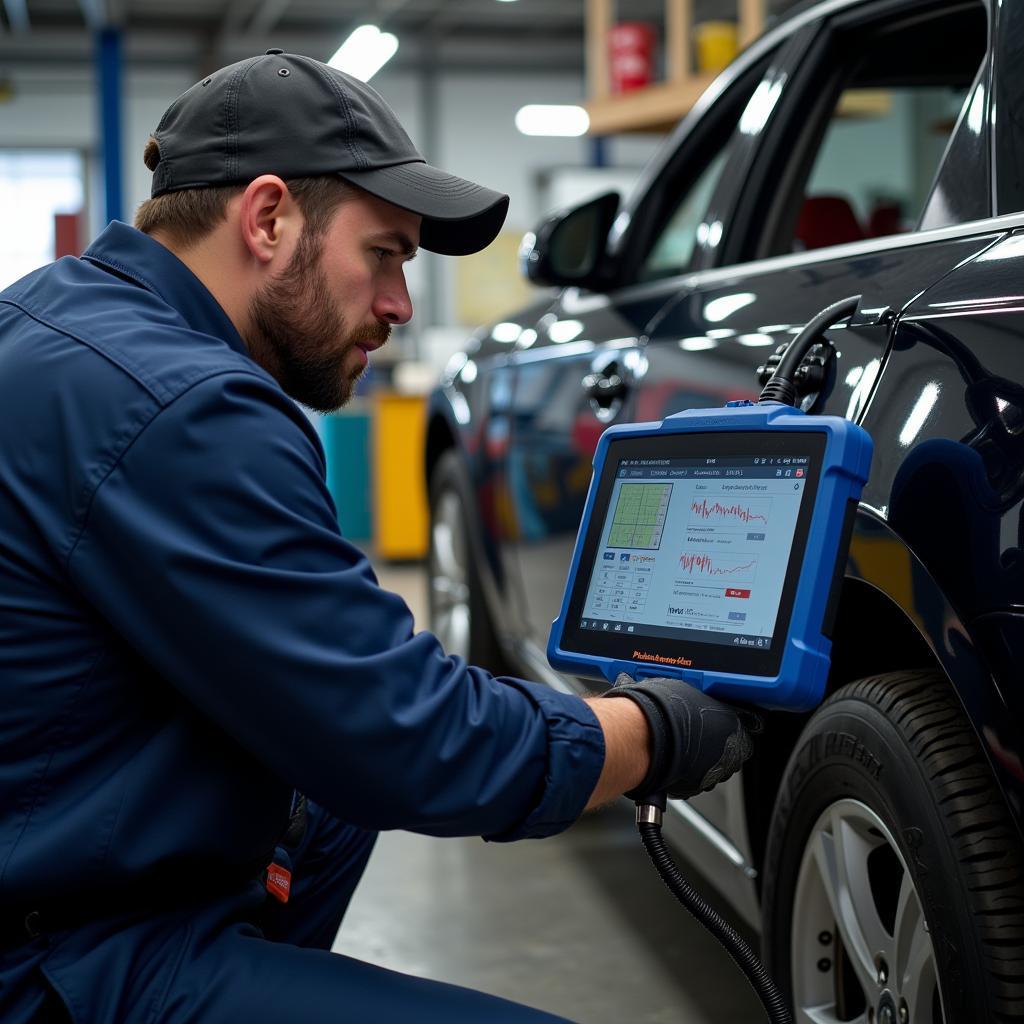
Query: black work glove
x=696, y=741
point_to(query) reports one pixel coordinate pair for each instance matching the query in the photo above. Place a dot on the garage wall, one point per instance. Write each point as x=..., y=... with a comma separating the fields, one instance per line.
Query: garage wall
x=57, y=108
x=475, y=137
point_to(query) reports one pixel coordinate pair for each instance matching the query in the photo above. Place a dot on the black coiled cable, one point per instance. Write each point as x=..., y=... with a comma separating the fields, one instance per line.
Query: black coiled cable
x=745, y=958
x=782, y=387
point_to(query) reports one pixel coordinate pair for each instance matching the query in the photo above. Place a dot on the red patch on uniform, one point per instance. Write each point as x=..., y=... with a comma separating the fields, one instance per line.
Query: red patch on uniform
x=279, y=882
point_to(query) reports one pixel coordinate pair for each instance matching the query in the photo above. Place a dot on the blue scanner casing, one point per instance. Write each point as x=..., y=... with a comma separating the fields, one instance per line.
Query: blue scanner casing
x=799, y=682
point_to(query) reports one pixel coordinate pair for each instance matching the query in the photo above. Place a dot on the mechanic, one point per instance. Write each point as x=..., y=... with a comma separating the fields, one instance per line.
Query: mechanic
x=186, y=640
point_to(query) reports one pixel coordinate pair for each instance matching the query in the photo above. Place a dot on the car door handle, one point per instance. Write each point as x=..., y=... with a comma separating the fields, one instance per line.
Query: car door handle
x=604, y=387
x=606, y=390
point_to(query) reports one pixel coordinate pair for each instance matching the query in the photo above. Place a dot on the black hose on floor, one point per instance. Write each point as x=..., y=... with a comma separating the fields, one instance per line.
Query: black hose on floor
x=745, y=958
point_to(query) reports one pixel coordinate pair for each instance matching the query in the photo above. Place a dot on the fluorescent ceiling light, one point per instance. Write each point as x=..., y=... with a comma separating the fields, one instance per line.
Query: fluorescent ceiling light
x=365, y=52
x=551, y=119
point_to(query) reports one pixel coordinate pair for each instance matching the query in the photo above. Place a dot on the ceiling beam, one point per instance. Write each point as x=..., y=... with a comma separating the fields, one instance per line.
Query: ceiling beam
x=267, y=16
x=498, y=16
x=235, y=16
x=17, y=16
x=95, y=14
x=388, y=8
x=451, y=53
x=159, y=48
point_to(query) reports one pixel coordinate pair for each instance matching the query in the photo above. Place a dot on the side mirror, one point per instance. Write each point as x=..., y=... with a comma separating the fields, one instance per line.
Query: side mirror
x=568, y=248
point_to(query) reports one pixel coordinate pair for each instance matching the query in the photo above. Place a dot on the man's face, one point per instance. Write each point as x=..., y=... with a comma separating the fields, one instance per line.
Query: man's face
x=313, y=326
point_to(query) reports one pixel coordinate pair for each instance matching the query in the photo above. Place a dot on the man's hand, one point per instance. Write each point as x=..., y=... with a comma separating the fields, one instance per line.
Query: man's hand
x=696, y=741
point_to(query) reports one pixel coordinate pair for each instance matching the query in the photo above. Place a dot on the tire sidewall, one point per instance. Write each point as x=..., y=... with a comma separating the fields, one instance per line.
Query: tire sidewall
x=851, y=750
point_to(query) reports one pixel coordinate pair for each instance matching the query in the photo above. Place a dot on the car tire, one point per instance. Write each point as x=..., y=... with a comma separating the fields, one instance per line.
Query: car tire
x=893, y=885
x=458, y=612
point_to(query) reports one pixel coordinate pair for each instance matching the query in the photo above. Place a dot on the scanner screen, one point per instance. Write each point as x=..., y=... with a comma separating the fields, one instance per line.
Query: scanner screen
x=696, y=549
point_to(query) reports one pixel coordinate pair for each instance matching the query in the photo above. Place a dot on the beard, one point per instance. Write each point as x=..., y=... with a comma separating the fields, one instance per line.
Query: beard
x=298, y=334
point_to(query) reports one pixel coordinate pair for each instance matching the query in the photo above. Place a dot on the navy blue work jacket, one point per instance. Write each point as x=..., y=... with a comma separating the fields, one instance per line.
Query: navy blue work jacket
x=185, y=636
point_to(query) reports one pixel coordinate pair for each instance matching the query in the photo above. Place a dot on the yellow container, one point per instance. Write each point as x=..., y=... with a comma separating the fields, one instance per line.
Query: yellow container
x=717, y=44
x=400, y=497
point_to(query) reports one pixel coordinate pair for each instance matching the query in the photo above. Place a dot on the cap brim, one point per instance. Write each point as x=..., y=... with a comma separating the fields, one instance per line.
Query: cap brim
x=459, y=216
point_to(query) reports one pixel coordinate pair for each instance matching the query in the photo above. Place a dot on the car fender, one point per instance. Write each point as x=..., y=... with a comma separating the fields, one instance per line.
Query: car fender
x=881, y=560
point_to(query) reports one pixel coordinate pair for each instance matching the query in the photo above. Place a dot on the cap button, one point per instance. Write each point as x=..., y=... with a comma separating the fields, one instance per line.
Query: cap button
x=274, y=50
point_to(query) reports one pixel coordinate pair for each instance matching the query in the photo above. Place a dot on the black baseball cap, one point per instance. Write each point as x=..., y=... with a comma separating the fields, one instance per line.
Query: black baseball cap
x=290, y=115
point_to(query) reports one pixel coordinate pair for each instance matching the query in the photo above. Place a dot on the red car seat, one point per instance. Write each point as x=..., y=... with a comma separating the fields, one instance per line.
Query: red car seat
x=827, y=220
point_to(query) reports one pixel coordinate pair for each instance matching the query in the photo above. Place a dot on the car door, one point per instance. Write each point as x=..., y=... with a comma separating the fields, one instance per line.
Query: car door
x=951, y=482
x=581, y=366
x=798, y=224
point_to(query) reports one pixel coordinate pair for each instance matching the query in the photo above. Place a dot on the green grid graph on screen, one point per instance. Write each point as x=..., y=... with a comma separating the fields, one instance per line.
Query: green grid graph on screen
x=639, y=517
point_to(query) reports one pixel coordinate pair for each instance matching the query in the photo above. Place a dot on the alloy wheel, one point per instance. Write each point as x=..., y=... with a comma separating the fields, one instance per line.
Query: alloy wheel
x=861, y=949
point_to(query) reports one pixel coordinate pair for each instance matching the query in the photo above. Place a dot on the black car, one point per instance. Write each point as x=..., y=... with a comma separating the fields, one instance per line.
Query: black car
x=860, y=147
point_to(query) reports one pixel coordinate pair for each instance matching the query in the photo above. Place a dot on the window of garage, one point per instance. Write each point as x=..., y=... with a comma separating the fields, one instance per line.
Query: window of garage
x=36, y=186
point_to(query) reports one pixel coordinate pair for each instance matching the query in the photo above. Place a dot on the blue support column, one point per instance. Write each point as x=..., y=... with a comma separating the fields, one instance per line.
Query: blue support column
x=108, y=76
x=599, y=151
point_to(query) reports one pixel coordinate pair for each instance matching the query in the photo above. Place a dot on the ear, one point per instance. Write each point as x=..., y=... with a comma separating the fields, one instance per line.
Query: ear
x=269, y=219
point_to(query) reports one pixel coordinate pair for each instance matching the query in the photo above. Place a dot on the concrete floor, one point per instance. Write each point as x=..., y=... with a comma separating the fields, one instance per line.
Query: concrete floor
x=579, y=924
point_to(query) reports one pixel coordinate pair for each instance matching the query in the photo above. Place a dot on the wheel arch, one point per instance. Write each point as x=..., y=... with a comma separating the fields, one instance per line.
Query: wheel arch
x=887, y=590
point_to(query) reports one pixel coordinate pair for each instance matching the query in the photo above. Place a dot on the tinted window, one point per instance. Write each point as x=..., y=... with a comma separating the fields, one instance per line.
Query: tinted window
x=888, y=97
x=675, y=207
x=874, y=171
x=673, y=249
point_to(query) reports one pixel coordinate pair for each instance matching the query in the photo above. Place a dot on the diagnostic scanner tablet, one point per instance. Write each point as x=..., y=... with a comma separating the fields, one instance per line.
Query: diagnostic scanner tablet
x=711, y=549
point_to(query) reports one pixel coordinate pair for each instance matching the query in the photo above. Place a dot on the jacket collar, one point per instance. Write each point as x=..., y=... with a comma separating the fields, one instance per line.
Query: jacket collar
x=131, y=254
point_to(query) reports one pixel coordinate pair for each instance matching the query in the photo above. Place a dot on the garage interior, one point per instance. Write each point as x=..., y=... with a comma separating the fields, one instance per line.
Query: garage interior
x=579, y=924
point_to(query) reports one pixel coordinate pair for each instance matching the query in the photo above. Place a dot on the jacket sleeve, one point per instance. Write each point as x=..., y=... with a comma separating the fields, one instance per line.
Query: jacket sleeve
x=212, y=547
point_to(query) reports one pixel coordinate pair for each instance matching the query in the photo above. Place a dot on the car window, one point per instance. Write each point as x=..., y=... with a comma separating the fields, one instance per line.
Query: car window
x=874, y=170
x=674, y=210
x=673, y=249
x=880, y=115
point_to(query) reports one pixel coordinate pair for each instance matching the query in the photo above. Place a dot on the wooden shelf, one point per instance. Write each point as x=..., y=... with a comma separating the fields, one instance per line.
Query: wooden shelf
x=656, y=107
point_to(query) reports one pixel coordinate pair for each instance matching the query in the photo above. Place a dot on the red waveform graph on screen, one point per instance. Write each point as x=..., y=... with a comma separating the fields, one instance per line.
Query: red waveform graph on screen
x=710, y=511
x=727, y=568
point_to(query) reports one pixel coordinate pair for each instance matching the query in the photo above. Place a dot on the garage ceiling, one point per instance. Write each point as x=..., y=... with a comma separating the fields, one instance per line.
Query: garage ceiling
x=472, y=35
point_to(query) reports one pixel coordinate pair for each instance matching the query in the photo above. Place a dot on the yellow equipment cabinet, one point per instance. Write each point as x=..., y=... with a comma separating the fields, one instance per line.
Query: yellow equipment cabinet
x=400, y=498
